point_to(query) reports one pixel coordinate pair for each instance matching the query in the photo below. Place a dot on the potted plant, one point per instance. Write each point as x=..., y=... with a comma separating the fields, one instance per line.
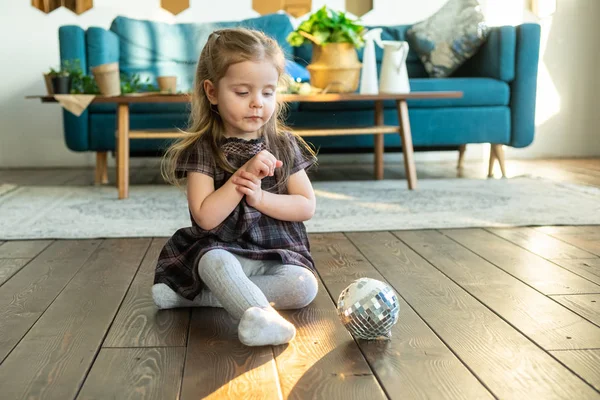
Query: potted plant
x=107, y=77
x=60, y=81
x=81, y=83
x=132, y=83
x=48, y=81
x=335, y=38
x=167, y=84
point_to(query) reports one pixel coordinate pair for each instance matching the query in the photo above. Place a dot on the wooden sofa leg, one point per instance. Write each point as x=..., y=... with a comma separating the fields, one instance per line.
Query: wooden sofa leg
x=101, y=168
x=499, y=152
x=116, y=174
x=492, y=161
x=496, y=153
x=461, y=158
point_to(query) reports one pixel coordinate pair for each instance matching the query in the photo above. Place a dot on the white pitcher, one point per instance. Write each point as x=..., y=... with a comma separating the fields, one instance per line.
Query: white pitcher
x=394, y=77
x=368, y=81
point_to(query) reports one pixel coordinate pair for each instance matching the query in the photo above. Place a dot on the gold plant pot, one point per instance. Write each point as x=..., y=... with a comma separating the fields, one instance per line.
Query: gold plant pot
x=335, y=68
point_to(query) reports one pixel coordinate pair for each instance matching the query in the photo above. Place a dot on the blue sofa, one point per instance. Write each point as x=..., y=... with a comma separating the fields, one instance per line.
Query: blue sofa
x=499, y=85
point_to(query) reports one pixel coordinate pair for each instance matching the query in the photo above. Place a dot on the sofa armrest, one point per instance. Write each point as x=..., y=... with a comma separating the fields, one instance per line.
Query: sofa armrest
x=496, y=57
x=72, y=46
x=102, y=46
x=524, y=86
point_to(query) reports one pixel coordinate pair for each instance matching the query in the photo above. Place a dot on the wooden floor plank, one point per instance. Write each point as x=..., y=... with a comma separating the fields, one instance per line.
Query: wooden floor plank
x=547, y=323
x=143, y=175
x=86, y=178
x=588, y=165
x=574, y=230
x=23, y=248
x=52, y=360
x=148, y=373
x=27, y=176
x=58, y=177
x=139, y=323
x=568, y=172
x=585, y=363
x=10, y=266
x=584, y=237
x=589, y=268
x=219, y=366
x=25, y=296
x=511, y=366
x=549, y=169
x=586, y=305
x=541, y=244
x=415, y=364
x=323, y=361
x=535, y=271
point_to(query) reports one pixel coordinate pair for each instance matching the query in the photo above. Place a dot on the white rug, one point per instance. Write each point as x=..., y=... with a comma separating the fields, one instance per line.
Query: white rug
x=37, y=212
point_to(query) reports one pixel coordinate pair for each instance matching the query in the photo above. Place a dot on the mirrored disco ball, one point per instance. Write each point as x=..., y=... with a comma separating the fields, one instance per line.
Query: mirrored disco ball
x=368, y=308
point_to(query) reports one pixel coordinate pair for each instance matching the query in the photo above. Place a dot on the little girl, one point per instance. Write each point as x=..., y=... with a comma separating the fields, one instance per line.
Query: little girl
x=248, y=195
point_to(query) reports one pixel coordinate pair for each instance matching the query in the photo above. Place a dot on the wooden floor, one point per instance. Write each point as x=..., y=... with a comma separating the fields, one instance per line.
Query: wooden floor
x=485, y=313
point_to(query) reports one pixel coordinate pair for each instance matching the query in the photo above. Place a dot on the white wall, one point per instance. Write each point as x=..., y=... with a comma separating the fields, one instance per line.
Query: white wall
x=31, y=133
x=567, y=117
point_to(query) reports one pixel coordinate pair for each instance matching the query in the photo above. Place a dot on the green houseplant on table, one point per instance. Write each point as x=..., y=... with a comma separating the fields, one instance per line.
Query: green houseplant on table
x=335, y=38
x=58, y=81
x=80, y=83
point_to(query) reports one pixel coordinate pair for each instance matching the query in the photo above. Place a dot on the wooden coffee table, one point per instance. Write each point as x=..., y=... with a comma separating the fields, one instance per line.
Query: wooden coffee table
x=124, y=134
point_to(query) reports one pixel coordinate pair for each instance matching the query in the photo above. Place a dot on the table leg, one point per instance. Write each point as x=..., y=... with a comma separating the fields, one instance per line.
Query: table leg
x=378, y=141
x=117, y=162
x=407, y=145
x=123, y=150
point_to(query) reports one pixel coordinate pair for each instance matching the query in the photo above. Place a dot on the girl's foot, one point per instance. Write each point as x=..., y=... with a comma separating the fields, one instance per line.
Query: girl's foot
x=164, y=297
x=263, y=327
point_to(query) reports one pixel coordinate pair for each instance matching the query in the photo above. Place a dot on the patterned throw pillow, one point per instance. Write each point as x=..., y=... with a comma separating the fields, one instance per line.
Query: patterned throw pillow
x=449, y=37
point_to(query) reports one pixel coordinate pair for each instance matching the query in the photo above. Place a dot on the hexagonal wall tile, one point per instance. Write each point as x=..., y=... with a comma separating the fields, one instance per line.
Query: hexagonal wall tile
x=359, y=7
x=295, y=8
x=78, y=6
x=175, y=6
x=46, y=6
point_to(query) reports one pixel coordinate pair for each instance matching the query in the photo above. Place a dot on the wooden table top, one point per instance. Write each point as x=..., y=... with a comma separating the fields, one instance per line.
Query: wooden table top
x=288, y=98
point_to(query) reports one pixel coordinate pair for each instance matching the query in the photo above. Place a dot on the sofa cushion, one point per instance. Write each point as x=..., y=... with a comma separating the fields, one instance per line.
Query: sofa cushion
x=102, y=47
x=153, y=48
x=477, y=92
x=449, y=37
x=298, y=72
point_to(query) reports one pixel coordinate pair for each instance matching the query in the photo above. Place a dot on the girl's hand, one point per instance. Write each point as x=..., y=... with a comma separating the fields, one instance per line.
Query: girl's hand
x=249, y=185
x=263, y=164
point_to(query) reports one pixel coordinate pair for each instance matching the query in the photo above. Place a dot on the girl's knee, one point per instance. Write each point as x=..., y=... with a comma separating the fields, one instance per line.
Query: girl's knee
x=217, y=260
x=304, y=289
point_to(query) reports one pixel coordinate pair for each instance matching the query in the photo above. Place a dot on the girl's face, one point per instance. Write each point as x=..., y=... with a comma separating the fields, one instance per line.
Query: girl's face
x=245, y=97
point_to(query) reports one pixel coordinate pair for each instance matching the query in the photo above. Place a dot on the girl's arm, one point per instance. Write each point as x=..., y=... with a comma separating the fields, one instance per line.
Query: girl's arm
x=208, y=206
x=298, y=205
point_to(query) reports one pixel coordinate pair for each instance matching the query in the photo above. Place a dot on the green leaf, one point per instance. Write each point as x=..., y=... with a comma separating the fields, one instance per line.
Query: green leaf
x=295, y=39
x=306, y=26
x=322, y=36
x=329, y=26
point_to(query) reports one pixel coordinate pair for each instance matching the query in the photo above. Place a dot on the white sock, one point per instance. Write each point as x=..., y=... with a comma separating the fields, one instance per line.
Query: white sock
x=164, y=297
x=262, y=327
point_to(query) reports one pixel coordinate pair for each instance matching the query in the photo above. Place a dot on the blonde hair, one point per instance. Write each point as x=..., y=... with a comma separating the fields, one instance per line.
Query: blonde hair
x=224, y=48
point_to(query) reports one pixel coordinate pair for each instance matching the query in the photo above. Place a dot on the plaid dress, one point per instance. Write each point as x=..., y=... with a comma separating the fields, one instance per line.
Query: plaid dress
x=245, y=232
